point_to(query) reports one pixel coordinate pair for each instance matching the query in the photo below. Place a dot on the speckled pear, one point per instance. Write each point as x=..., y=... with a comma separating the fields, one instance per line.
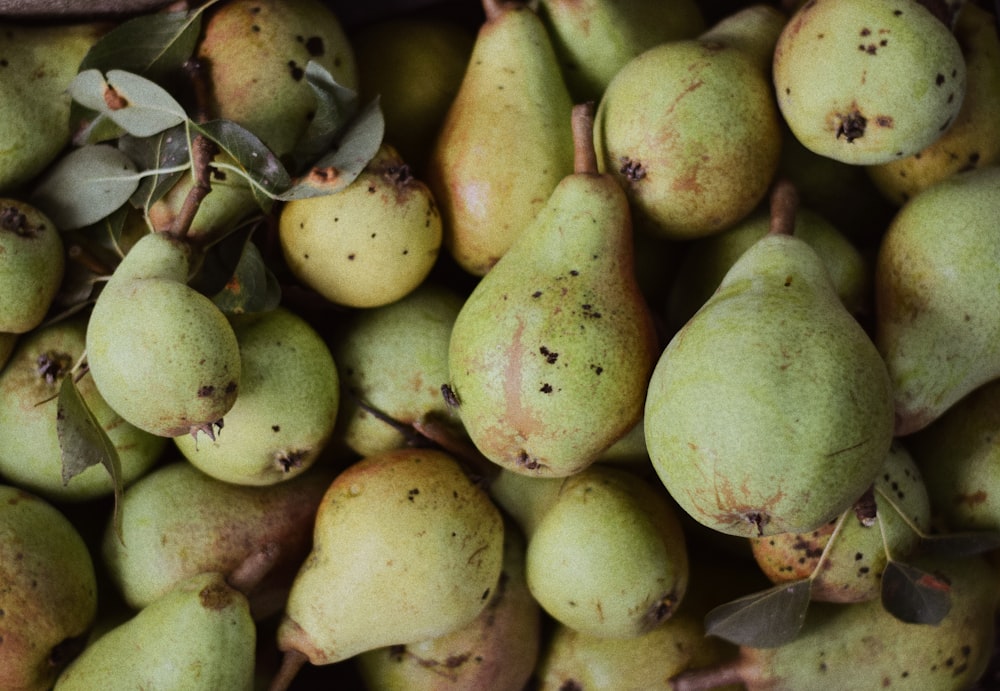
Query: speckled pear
x=32, y=261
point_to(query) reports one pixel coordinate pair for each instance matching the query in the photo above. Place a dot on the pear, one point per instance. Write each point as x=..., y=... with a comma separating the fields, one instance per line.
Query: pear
x=393, y=359
x=608, y=558
x=30, y=450
x=370, y=244
x=32, y=262
x=959, y=455
x=690, y=130
x=770, y=411
x=845, y=559
x=200, y=635
x=37, y=63
x=414, y=65
x=49, y=596
x=286, y=410
x=257, y=51
x=524, y=498
x=550, y=354
x=863, y=646
x=868, y=82
x=162, y=355
x=504, y=145
x=973, y=139
x=177, y=522
x=497, y=651
x=595, y=38
x=405, y=548
x=936, y=322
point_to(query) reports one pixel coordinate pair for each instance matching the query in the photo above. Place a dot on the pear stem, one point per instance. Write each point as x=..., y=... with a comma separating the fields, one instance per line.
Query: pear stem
x=493, y=9
x=709, y=677
x=252, y=570
x=291, y=662
x=584, y=154
x=784, y=207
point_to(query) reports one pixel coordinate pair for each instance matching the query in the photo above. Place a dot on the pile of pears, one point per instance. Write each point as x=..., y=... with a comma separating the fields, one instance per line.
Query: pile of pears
x=559, y=345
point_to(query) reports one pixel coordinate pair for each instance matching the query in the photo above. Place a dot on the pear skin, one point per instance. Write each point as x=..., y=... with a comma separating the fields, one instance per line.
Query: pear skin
x=32, y=262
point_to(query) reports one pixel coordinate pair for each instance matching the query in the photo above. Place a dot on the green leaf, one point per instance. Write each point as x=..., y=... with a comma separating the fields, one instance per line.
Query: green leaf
x=166, y=152
x=960, y=544
x=86, y=185
x=335, y=106
x=252, y=158
x=766, y=619
x=138, y=105
x=339, y=168
x=914, y=595
x=152, y=45
x=83, y=441
x=252, y=287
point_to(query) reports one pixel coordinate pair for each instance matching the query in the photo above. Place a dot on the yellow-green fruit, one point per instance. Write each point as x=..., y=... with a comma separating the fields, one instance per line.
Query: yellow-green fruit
x=286, y=408
x=30, y=454
x=162, y=355
x=369, y=244
x=31, y=265
x=48, y=590
x=37, y=63
x=257, y=52
x=414, y=65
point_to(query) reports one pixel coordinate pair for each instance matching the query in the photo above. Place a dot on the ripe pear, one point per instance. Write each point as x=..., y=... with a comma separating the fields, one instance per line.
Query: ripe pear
x=48, y=600
x=200, y=635
x=177, y=522
x=32, y=261
x=405, y=548
x=846, y=558
x=594, y=39
x=286, y=410
x=936, y=322
x=162, y=355
x=690, y=130
x=371, y=243
x=504, y=145
x=770, y=411
x=257, y=51
x=863, y=646
x=868, y=82
x=30, y=452
x=608, y=558
x=394, y=359
x=37, y=63
x=973, y=140
x=550, y=354
x=414, y=64
x=497, y=650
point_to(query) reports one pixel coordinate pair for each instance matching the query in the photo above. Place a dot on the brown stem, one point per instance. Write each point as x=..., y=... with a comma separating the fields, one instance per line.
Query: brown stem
x=584, y=155
x=480, y=468
x=784, y=207
x=203, y=150
x=254, y=569
x=708, y=677
x=79, y=254
x=196, y=74
x=291, y=662
x=494, y=8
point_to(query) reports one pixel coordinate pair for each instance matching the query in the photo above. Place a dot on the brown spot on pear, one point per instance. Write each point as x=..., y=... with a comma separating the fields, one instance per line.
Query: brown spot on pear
x=32, y=262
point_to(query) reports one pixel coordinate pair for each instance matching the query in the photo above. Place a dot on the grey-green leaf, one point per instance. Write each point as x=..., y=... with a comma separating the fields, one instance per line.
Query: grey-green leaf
x=253, y=287
x=335, y=106
x=766, y=619
x=914, y=595
x=251, y=156
x=960, y=544
x=138, y=105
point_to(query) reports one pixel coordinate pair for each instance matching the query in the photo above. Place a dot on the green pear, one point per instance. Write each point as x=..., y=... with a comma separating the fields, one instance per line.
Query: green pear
x=32, y=262
x=504, y=145
x=162, y=355
x=257, y=51
x=868, y=82
x=863, y=646
x=200, y=635
x=30, y=450
x=37, y=63
x=286, y=409
x=497, y=650
x=550, y=354
x=393, y=359
x=973, y=140
x=524, y=498
x=959, y=455
x=595, y=38
x=414, y=65
x=370, y=244
x=405, y=548
x=177, y=522
x=48, y=600
x=936, y=322
x=608, y=558
x=690, y=130
x=845, y=559
x=770, y=411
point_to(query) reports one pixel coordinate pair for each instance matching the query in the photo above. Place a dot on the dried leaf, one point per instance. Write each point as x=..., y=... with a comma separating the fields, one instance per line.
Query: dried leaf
x=766, y=619
x=914, y=595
